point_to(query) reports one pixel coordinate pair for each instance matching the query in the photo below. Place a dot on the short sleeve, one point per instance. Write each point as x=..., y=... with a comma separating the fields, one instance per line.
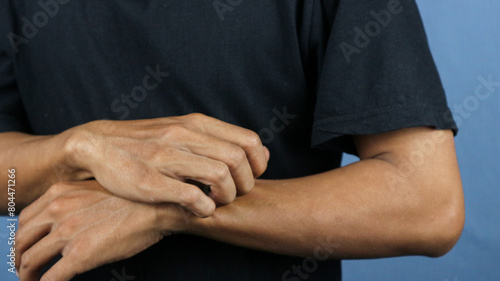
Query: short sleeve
x=12, y=113
x=377, y=75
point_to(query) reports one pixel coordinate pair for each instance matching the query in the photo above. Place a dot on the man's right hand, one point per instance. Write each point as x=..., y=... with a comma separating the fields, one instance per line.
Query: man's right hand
x=150, y=160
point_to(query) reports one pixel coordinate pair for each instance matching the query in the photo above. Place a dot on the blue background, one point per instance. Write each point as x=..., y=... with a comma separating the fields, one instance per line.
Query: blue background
x=465, y=40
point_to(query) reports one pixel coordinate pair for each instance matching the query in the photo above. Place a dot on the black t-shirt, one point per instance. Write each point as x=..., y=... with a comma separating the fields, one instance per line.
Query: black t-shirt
x=304, y=74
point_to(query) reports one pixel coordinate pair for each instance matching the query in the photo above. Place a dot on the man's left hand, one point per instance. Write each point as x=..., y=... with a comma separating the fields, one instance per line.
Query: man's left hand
x=89, y=227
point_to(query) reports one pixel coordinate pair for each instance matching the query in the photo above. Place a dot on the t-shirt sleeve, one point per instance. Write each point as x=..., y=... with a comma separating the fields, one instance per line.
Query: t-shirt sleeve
x=377, y=75
x=12, y=113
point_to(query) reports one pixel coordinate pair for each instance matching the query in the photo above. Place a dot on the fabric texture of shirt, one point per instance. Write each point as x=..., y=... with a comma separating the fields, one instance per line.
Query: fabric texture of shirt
x=304, y=74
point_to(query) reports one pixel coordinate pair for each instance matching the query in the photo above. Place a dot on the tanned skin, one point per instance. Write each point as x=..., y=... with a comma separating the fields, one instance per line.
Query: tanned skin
x=404, y=196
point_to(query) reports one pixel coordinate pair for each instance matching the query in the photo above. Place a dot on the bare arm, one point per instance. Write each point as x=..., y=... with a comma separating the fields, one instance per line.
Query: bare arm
x=40, y=162
x=403, y=198
x=143, y=160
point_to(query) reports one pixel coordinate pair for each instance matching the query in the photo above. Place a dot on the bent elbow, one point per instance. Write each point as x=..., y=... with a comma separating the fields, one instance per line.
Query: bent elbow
x=445, y=231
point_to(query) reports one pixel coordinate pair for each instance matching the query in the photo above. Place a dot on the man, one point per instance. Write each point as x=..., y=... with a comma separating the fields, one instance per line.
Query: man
x=256, y=99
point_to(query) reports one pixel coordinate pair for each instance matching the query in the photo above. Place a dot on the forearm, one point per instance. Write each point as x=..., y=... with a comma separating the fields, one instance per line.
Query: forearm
x=142, y=160
x=353, y=209
x=39, y=161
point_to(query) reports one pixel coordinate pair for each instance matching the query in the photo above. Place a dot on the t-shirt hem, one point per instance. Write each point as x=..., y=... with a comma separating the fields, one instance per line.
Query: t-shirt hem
x=334, y=132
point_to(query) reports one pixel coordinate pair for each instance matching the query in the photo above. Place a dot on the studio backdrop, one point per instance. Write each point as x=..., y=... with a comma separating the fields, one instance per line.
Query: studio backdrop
x=464, y=37
x=465, y=40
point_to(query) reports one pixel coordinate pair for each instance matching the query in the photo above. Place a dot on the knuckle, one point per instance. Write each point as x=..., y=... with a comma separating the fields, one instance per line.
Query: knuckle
x=189, y=197
x=20, y=239
x=252, y=140
x=56, y=189
x=74, y=249
x=236, y=156
x=158, y=160
x=149, y=186
x=175, y=130
x=195, y=117
x=26, y=261
x=164, y=156
x=57, y=206
x=78, y=252
x=65, y=229
x=220, y=173
x=22, y=219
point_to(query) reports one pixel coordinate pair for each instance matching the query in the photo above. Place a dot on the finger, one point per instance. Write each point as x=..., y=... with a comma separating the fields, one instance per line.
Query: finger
x=63, y=270
x=34, y=209
x=29, y=235
x=38, y=256
x=210, y=172
x=161, y=189
x=268, y=154
x=53, y=192
x=217, y=149
x=244, y=138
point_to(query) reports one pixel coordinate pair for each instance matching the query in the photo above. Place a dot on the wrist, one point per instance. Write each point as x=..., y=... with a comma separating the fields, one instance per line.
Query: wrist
x=200, y=226
x=172, y=218
x=76, y=155
x=226, y=217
